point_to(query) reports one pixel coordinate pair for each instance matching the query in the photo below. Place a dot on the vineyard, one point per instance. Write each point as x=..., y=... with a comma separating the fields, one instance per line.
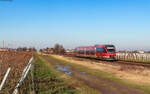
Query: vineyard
x=136, y=57
x=16, y=61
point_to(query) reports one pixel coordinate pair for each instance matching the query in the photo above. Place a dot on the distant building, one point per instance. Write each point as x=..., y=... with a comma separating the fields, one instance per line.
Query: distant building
x=3, y=49
x=28, y=50
x=48, y=50
x=69, y=51
x=141, y=52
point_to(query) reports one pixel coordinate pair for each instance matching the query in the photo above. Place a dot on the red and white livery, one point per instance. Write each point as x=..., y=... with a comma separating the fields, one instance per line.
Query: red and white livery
x=105, y=52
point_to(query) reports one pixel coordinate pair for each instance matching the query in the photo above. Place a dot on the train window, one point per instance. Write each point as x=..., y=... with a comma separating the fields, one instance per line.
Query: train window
x=81, y=51
x=110, y=48
x=92, y=51
x=87, y=52
x=76, y=50
x=101, y=50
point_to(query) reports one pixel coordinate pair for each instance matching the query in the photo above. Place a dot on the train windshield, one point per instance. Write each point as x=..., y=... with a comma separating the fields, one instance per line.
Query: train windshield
x=75, y=50
x=110, y=48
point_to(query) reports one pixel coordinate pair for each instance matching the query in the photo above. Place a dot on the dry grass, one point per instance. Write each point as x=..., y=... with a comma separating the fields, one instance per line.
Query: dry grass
x=138, y=75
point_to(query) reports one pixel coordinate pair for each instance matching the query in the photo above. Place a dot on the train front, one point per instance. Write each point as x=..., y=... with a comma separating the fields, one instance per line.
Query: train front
x=111, y=52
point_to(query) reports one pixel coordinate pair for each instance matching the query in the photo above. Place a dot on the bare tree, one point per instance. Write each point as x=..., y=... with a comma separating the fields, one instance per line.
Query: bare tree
x=21, y=48
x=32, y=49
x=59, y=49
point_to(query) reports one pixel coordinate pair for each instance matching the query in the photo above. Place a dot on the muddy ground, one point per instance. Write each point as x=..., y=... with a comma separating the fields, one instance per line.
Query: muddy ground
x=105, y=86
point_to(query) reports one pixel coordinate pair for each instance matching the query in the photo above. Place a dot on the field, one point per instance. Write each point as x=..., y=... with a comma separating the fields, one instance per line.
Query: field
x=134, y=73
x=133, y=76
x=17, y=62
x=55, y=74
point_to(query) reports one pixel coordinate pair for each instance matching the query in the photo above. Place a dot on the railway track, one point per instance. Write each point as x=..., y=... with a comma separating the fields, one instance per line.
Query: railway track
x=133, y=63
x=118, y=62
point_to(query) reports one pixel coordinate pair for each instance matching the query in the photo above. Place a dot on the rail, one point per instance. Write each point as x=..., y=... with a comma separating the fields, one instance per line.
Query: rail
x=122, y=62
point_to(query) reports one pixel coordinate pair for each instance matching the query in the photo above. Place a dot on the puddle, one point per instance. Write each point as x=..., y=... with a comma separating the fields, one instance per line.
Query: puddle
x=83, y=72
x=68, y=73
x=64, y=69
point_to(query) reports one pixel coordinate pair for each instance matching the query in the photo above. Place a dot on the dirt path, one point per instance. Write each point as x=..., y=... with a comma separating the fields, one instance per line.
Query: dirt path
x=105, y=86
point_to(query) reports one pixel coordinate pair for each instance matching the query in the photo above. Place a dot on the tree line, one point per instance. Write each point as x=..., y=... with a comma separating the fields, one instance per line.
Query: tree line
x=57, y=49
x=26, y=49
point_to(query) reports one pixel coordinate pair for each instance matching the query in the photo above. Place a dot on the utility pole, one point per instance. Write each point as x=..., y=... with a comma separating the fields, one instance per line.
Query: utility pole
x=3, y=43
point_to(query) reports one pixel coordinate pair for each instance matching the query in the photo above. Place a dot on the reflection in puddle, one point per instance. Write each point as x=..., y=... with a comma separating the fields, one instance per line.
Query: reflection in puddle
x=83, y=72
x=64, y=69
x=68, y=73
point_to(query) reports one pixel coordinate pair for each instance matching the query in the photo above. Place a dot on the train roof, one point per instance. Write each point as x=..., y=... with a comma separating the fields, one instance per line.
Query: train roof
x=104, y=45
x=95, y=45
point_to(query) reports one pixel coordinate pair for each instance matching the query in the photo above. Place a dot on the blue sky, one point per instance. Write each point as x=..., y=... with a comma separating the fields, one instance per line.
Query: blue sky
x=42, y=23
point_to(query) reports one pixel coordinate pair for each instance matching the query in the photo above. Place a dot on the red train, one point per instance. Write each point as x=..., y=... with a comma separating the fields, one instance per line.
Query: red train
x=104, y=52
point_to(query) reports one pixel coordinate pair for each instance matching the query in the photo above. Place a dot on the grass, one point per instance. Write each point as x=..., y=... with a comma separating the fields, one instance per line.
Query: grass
x=48, y=80
x=99, y=73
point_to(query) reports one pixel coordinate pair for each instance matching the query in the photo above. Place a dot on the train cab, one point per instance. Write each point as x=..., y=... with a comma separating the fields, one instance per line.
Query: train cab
x=107, y=52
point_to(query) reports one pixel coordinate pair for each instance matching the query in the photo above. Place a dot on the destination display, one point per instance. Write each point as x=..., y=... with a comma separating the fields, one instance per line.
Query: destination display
x=110, y=47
